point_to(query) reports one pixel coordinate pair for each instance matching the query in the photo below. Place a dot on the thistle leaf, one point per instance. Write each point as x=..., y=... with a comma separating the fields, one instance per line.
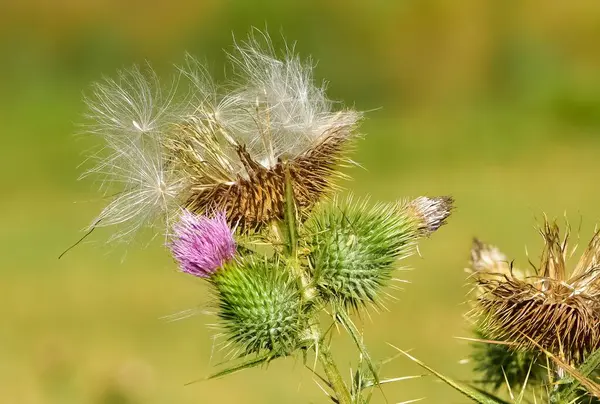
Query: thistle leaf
x=579, y=379
x=499, y=364
x=259, y=360
x=348, y=324
x=591, y=363
x=488, y=394
x=473, y=394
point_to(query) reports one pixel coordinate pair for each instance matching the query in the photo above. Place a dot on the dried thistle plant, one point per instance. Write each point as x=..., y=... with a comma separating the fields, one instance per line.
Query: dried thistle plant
x=536, y=329
x=549, y=307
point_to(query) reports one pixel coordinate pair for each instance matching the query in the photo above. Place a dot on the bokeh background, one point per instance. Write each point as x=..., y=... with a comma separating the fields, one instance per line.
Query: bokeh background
x=494, y=102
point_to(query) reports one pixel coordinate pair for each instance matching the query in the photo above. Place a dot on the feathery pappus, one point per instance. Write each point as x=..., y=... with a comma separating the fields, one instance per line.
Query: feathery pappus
x=223, y=148
x=548, y=307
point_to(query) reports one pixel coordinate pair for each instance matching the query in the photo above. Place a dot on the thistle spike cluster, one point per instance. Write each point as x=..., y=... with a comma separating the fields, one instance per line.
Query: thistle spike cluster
x=220, y=148
x=260, y=306
x=354, y=248
x=351, y=250
x=551, y=307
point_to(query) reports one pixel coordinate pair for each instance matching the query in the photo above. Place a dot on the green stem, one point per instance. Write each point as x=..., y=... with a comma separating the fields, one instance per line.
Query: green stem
x=333, y=375
x=289, y=228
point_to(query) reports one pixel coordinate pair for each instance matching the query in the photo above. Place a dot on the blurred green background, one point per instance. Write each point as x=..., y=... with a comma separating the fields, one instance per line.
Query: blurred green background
x=494, y=102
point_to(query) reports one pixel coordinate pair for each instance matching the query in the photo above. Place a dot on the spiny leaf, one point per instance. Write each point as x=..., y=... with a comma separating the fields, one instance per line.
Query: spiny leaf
x=259, y=360
x=473, y=394
x=412, y=401
x=391, y=380
x=579, y=378
x=591, y=363
x=488, y=394
x=499, y=364
x=346, y=321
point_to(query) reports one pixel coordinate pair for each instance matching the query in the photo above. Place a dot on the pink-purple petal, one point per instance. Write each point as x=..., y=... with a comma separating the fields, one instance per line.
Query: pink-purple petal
x=201, y=244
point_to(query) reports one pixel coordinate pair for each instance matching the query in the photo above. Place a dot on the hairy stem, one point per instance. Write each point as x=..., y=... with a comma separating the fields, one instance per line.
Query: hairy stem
x=333, y=376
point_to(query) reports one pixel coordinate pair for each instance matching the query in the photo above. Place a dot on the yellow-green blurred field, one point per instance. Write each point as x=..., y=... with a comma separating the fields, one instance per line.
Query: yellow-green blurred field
x=494, y=102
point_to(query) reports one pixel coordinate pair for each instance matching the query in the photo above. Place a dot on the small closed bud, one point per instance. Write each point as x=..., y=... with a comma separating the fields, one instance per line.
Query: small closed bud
x=260, y=306
x=354, y=248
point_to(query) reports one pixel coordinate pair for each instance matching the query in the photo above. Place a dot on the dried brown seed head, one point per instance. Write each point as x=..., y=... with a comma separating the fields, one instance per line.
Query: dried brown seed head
x=550, y=307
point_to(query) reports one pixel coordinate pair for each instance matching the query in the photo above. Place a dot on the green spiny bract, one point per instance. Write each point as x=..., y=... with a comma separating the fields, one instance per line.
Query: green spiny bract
x=260, y=306
x=500, y=365
x=353, y=248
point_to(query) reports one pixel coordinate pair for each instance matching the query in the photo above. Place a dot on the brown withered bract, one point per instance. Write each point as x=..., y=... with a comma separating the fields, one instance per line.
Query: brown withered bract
x=550, y=308
x=256, y=196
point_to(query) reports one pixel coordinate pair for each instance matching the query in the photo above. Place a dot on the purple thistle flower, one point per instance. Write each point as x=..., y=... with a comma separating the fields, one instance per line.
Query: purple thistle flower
x=200, y=244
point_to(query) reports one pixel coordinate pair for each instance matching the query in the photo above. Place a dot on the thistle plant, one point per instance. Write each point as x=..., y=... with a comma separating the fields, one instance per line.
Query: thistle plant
x=242, y=179
x=536, y=329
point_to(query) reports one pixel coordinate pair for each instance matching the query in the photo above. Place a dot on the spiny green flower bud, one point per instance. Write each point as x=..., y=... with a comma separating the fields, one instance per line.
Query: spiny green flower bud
x=353, y=248
x=260, y=306
x=500, y=364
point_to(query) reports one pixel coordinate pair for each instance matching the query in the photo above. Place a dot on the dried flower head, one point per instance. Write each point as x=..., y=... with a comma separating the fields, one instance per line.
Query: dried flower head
x=235, y=148
x=431, y=213
x=201, y=245
x=550, y=308
x=221, y=148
